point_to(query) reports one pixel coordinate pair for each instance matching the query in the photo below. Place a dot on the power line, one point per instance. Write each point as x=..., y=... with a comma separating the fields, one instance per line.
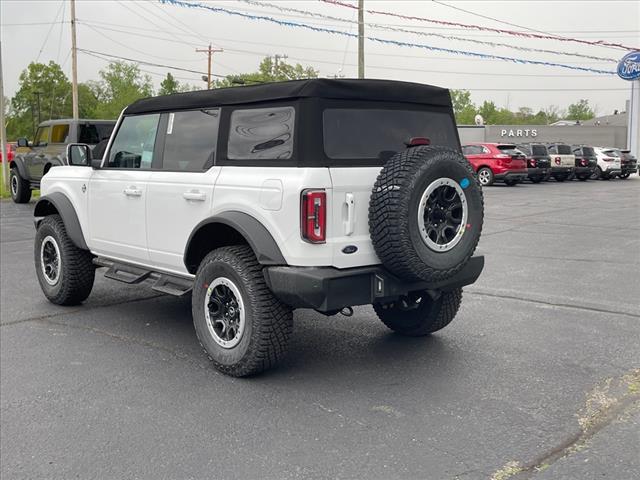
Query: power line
x=50, y=29
x=599, y=43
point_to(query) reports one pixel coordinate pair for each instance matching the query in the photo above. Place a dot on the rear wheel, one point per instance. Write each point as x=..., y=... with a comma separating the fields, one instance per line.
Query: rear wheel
x=560, y=177
x=624, y=176
x=242, y=327
x=485, y=176
x=419, y=314
x=20, y=189
x=596, y=174
x=537, y=179
x=65, y=272
x=511, y=183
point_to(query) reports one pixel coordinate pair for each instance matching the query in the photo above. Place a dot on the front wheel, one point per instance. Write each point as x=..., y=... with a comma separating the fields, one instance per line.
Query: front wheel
x=65, y=272
x=624, y=176
x=420, y=314
x=242, y=327
x=20, y=189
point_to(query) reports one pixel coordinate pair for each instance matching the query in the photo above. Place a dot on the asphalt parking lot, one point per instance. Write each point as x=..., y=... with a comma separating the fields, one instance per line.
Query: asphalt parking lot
x=538, y=374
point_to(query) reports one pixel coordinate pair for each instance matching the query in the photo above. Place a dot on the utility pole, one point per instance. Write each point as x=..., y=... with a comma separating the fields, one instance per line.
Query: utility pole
x=3, y=132
x=209, y=51
x=37, y=93
x=74, y=62
x=276, y=58
x=360, y=38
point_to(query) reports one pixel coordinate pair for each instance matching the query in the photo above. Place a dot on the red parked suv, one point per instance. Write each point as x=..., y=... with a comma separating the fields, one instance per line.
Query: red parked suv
x=495, y=162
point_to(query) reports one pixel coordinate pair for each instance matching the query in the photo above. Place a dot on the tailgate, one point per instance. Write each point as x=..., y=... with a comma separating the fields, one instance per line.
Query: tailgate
x=349, y=227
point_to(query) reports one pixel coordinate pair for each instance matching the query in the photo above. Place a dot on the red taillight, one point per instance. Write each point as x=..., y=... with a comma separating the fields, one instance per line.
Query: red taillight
x=558, y=160
x=532, y=162
x=415, y=141
x=583, y=162
x=313, y=213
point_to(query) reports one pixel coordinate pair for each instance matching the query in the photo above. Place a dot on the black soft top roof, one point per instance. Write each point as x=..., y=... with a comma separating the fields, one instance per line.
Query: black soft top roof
x=347, y=89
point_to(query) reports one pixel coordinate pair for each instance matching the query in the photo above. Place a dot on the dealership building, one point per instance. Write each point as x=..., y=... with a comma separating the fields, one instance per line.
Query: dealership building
x=606, y=131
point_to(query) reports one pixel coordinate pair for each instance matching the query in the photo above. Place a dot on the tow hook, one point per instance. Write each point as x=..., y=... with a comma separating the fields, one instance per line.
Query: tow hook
x=347, y=311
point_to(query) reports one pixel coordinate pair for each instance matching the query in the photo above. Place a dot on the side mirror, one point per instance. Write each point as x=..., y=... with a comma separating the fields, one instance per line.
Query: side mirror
x=79, y=154
x=23, y=142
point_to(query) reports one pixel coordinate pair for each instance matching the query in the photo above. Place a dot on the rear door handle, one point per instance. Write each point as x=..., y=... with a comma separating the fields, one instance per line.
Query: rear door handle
x=195, y=196
x=132, y=192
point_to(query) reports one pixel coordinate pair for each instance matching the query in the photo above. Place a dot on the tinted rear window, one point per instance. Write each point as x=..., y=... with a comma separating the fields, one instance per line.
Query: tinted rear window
x=539, y=150
x=588, y=151
x=93, y=133
x=351, y=133
x=564, y=149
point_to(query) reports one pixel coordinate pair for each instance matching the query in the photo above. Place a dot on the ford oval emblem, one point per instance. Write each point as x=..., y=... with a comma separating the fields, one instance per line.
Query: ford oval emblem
x=629, y=66
x=350, y=249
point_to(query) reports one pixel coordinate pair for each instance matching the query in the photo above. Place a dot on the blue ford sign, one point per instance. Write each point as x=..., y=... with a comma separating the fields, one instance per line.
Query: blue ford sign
x=629, y=66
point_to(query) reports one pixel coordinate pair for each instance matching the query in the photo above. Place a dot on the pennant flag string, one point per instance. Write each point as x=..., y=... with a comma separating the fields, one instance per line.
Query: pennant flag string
x=426, y=34
x=287, y=23
x=598, y=43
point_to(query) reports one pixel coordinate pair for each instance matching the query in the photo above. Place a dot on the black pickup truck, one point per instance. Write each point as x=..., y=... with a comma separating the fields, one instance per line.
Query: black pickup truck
x=34, y=159
x=586, y=162
x=538, y=161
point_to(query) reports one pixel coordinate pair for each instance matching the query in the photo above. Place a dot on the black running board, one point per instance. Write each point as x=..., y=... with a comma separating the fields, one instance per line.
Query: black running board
x=131, y=274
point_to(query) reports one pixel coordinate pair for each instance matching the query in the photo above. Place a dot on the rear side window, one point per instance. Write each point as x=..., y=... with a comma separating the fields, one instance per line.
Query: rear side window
x=261, y=133
x=351, y=133
x=191, y=139
x=93, y=133
x=60, y=133
x=134, y=143
x=539, y=150
x=472, y=150
x=508, y=149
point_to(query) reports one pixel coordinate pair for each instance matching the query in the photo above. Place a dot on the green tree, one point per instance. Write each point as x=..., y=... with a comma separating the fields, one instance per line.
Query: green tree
x=120, y=84
x=268, y=71
x=43, y=84
x=169, y=85
x=463, y=107
x=580, y=111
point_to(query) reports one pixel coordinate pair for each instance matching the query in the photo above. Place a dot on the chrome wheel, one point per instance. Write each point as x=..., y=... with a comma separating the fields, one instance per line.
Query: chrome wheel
x=14, y=185
x=50, y=261
x=442, y=214
x=224, y=312
x=484, y=176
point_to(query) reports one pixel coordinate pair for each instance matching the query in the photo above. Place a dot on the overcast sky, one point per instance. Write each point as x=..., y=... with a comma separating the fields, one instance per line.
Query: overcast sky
x=115, y=28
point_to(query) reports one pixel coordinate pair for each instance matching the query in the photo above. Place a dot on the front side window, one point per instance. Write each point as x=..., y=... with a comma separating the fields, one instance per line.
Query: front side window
x=190, y=143
x=261, y=133
x=60, y=133
x=93, y=133
x=42, y=137
x=358, y=133
x=134, y=142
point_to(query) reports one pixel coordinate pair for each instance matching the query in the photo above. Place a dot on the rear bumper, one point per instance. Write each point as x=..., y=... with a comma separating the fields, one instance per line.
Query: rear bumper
x=584, y=170
x=537, y=172
x=565, y=170
x=515, y=176
x=329, y=289
x=629, y=168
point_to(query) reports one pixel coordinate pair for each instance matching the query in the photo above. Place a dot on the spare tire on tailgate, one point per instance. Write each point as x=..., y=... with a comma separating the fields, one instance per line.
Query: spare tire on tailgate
x=425, y=213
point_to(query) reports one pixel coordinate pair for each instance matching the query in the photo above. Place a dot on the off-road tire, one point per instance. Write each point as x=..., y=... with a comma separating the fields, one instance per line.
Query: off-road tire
x=19, y=187
x=268, y=322
x=430, y=316
x=393, y=213
x=77, y=272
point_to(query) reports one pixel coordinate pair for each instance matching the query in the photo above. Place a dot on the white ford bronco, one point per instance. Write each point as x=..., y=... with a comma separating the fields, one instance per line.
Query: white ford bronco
x=258, y=200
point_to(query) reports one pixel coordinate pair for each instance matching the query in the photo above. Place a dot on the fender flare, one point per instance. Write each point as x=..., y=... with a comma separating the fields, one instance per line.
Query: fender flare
x=19, y=164
x=255, y=233
x=60, y=203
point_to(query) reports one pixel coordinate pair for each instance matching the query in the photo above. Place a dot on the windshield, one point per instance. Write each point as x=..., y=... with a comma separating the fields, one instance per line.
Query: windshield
x=351, y=133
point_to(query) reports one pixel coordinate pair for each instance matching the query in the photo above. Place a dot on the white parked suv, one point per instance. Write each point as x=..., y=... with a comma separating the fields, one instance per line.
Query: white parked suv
x=259, y=200
x=609, y=163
